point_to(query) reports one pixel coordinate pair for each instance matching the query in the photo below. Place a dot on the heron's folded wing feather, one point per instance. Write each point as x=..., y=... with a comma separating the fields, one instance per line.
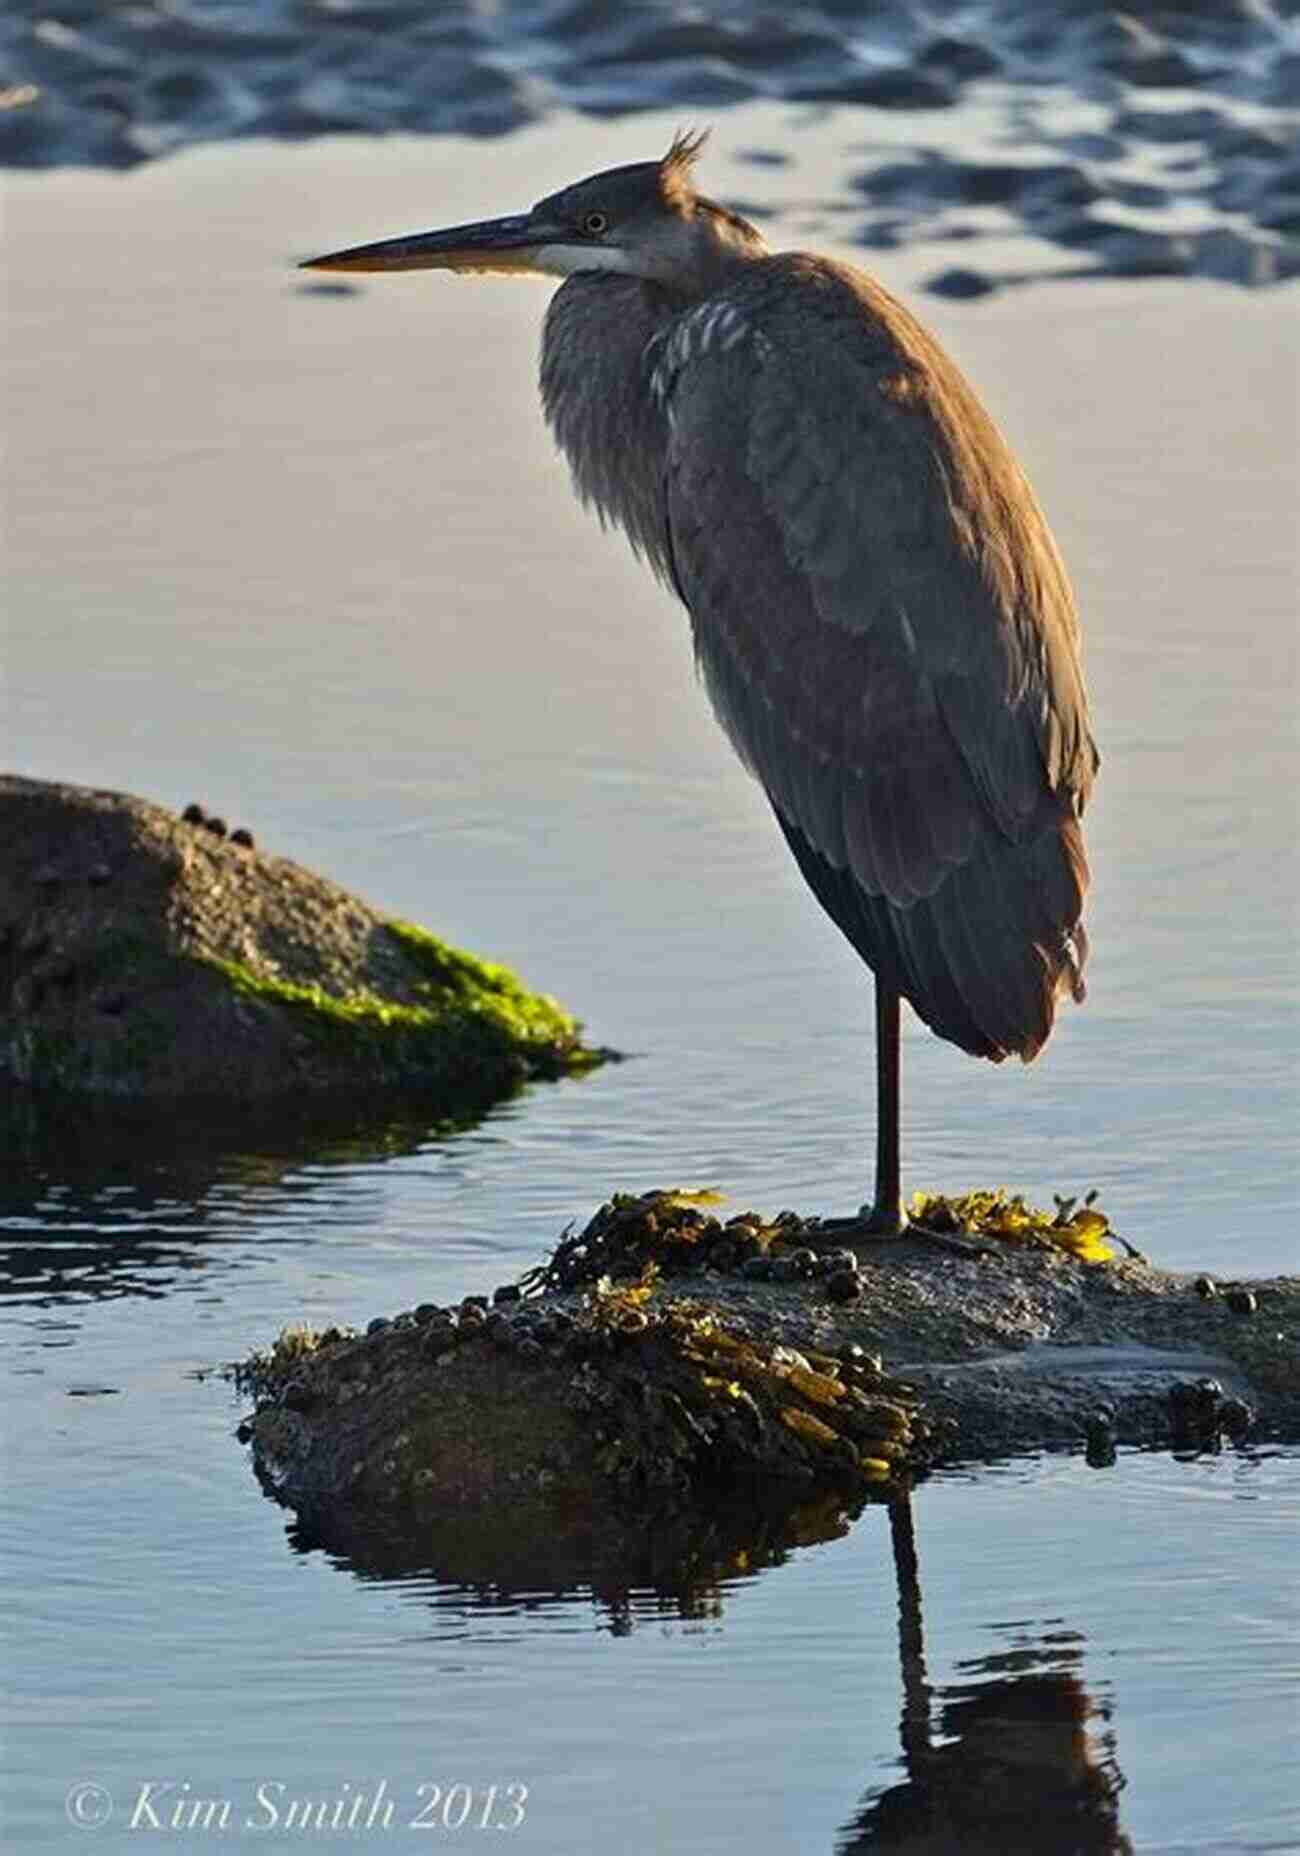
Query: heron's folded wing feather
x=879, y=610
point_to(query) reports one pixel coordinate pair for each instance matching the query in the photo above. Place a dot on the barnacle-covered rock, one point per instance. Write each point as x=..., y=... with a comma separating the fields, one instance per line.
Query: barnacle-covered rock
x=633, y=1391
x=654, y=1364
x=699, y=1401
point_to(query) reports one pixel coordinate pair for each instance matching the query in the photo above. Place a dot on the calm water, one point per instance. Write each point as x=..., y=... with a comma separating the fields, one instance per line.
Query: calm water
x=308, y=559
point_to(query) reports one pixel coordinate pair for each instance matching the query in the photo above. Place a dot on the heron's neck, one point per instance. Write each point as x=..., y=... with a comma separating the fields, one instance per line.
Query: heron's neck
x=597, y=400
x=724, y=247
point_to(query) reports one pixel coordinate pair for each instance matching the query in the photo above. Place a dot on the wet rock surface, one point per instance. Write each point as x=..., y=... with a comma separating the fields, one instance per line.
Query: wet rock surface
x=1189, y=165
x=661, y=1404
x=145, y=954
x=648, y=1361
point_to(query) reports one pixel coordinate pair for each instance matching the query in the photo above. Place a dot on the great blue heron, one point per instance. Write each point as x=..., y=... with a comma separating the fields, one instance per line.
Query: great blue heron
x=879, y=611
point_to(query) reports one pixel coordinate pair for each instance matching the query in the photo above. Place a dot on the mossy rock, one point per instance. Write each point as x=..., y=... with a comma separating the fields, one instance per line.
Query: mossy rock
x=144, y=955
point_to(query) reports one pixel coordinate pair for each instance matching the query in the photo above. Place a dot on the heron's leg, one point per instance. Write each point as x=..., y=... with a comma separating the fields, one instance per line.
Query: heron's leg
x=915, y=1724
x=885, y=1217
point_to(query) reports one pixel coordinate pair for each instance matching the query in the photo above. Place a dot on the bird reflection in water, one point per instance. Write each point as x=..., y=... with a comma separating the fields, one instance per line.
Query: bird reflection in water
x=1011, y=1765
x=1012, y=1769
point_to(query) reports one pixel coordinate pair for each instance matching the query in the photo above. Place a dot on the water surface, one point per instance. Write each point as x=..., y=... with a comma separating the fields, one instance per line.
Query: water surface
x=308, y=558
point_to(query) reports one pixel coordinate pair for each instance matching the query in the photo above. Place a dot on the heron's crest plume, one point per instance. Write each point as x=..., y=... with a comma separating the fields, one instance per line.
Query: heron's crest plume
x=676, y=170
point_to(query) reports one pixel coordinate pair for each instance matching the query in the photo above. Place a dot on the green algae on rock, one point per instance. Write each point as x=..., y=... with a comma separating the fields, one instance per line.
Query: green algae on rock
x=142, y=954
x=474, y=1025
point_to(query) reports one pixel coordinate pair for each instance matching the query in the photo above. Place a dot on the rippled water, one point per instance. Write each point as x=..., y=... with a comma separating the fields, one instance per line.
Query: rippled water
x=308, y=559
x=116, y=86
x=1161, y=140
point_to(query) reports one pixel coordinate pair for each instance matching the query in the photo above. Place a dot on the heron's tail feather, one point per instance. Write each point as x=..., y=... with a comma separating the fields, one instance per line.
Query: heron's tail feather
x=984, y=959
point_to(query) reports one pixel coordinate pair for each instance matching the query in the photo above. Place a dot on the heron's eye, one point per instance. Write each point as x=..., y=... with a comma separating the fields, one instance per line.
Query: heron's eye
x=593, y=224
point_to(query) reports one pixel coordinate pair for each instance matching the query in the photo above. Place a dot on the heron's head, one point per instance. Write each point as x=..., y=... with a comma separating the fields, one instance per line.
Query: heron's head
x=645, y=220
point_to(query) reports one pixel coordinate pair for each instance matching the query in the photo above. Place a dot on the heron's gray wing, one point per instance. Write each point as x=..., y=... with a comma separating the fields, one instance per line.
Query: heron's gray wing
x=886, y=633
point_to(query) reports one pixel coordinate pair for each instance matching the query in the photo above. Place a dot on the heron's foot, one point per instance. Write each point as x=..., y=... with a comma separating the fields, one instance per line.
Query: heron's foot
x=879, y=1224
x=882, y=1220
x=871, y=1221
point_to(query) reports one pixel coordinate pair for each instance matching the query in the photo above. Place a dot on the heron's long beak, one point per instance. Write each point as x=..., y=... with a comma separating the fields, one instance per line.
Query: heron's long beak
x=489, y=245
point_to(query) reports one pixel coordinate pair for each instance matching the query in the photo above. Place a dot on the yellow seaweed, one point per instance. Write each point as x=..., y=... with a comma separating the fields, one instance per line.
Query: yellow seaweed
x=803, y=1424
x=1004, y=1215
x=819, y=1387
